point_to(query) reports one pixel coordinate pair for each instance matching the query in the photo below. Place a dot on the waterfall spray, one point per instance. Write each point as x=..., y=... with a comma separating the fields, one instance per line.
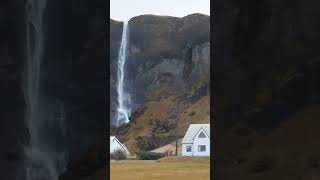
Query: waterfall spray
x=43, y=161
x=123, y=111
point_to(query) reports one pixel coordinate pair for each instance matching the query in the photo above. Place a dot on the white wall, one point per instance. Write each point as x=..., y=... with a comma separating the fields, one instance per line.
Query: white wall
x=114, y=145
x=201, y=141
x=194, y=147
x=184, y=150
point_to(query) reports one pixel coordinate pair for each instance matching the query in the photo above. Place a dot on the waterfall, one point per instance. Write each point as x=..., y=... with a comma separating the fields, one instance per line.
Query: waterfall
x=43, y=160
x=123, y=110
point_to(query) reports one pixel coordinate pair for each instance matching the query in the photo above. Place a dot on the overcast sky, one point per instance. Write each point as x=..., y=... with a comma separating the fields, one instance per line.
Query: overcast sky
x=126, y=9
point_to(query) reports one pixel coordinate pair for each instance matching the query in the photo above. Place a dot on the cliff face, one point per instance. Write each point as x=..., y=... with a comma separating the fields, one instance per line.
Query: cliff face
x=164, y=55
x=265, y=88
x=13, y=130
x=73, y=72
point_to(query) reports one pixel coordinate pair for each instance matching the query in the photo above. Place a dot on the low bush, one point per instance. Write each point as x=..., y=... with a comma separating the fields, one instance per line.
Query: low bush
x=145, y=155
x=191, y=113
x=118, y=155
x=148, y=143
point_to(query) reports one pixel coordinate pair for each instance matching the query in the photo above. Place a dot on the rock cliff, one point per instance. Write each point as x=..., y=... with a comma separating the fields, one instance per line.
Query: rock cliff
x=73, y=72
x=168, y=58
x=265, y=88
x=12, y=105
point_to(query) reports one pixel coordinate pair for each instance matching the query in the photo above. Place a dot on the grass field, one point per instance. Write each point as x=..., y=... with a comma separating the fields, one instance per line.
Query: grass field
x=171, y=168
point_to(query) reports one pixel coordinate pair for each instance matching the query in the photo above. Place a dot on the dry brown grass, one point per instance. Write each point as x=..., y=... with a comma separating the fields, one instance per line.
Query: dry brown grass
x=197, y=112
x=165, y=169
x=180, y=159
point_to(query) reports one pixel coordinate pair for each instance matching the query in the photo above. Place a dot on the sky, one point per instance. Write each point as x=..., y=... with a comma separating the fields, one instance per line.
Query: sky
x=125, y=9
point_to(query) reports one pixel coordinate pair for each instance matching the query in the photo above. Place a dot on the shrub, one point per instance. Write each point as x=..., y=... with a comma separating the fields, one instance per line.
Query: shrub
x=145, y=155
x=118, y=155
x=191, y=113
x=148, y=143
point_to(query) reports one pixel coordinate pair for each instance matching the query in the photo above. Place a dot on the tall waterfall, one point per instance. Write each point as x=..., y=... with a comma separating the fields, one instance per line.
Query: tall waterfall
x=123, y=111
x=43, y=160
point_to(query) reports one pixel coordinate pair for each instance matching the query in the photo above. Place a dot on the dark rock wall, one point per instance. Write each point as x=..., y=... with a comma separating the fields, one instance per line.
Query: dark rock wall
x=265, y=60
x=161, y=49
x=115, y=42
x=13, y=132
x=73, y=72
x=262, y=52
x=76, y=69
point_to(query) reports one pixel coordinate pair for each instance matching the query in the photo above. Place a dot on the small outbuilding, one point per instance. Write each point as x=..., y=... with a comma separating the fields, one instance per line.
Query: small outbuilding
x=115, y=145
x=196, y=141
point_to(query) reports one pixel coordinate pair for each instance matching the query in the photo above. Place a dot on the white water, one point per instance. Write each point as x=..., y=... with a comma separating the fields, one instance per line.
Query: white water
x=42, y=160
x=123, y=110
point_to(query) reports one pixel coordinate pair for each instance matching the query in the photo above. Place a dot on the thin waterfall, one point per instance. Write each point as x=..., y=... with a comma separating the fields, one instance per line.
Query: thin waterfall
x=123, y=110
x=43, y=161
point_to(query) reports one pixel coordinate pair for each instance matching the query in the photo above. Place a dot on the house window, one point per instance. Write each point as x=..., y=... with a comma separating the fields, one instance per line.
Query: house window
x=188, y=148
x=201, y=135
x=201, y=148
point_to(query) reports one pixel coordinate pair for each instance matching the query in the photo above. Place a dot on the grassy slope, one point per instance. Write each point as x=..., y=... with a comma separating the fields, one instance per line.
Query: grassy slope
x=162, y=169
x=198, y=113
x=162, y=110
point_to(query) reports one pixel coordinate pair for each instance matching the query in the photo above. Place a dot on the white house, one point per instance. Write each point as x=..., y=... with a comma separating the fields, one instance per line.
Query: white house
x=115, y=145
x=196, y=142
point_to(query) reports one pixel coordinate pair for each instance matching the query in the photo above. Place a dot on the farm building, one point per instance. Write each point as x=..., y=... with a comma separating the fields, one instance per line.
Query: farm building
x=115, y=145
x=169, y=149
x=196, y=141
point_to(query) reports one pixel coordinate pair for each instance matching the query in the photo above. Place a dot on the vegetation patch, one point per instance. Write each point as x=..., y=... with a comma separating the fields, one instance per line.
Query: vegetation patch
x=118, y=155
x=162, y=92
x=191, y=113
x=148, y=143
x=145, y=155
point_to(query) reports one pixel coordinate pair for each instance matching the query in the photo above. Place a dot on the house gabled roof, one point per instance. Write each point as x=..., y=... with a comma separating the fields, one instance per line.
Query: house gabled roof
x=193, y=131
x=113, y=138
